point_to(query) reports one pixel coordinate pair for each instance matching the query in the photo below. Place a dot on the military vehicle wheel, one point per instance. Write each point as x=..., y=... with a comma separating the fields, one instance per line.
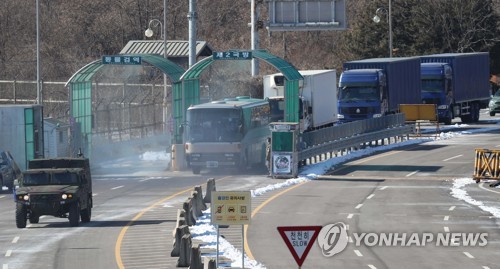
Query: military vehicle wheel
x=74, y=214
x=86, y=213
x=21, y=213
x=196, y=170
x=34, y=218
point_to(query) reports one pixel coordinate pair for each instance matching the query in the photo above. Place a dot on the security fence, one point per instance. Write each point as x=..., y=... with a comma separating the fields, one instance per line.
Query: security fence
x=120, y=111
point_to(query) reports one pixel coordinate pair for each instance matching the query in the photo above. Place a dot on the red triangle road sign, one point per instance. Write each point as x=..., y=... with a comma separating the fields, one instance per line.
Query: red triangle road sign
x=299, y=240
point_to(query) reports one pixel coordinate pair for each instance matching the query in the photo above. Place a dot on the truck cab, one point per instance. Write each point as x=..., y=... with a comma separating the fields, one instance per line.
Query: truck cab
x=436, y=88
x=277, y=105
x=362, y=94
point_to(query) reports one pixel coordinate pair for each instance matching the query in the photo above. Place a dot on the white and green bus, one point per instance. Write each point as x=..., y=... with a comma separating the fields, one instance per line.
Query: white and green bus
x=229, y=133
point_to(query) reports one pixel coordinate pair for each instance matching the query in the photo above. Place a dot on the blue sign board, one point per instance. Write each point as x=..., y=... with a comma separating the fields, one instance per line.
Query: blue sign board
x=118, y=59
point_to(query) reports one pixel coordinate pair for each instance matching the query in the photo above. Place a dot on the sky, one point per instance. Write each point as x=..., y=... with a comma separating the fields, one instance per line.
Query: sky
x=206, y=232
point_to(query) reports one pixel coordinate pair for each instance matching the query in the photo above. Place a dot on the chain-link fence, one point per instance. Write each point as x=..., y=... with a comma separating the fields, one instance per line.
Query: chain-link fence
x=120, y=112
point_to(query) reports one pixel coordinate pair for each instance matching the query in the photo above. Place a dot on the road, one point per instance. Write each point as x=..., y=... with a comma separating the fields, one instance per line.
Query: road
x=406, y=190
x=402, y=190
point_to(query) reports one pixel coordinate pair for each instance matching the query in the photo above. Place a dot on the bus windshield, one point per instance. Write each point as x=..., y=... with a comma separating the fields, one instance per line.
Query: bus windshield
x=351, y=94
x=215, y=125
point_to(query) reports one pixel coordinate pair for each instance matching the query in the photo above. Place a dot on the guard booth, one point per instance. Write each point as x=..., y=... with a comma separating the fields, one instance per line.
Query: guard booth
x=284, y=152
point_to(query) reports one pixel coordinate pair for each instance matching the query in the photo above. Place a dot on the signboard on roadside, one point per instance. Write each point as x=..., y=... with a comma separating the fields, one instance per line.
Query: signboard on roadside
x=231, y=207
x=299, y=240
x=232, y=55
x=121, y=60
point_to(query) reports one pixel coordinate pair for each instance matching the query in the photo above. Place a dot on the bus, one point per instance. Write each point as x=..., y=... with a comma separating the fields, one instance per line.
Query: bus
x=229, y=133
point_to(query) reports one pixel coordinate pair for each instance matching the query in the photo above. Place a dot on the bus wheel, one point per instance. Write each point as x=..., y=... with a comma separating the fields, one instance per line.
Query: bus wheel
x=196, y=170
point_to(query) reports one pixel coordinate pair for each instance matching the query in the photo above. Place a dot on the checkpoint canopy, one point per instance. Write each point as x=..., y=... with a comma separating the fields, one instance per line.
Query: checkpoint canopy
x=189, y=93
x=80, y=88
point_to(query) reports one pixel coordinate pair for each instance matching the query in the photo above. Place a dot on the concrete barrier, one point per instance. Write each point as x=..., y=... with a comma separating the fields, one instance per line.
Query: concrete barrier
x=200, y=200
x=208, y=263
x=185, y=251
x=196, y=262
x=179, y=233
x=181, y=220
x=197, y=207
x=210, y=189
x=188, y=208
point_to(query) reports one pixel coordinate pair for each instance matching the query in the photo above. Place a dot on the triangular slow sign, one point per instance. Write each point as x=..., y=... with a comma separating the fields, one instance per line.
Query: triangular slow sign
x=299, y=240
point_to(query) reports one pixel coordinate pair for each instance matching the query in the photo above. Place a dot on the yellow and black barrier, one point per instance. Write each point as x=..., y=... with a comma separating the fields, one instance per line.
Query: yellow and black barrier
x=487, y=165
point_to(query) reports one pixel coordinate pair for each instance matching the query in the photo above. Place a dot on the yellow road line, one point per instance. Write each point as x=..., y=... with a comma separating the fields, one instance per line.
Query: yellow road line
x=119, y=241
x=257, y=209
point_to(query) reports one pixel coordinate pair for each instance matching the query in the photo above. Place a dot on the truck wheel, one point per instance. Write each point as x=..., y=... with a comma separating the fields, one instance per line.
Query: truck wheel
x=492, y=114
x=196, y=170
x=34, y=218
x=74, y=214
x=449, y=117
x=476, y=112
x=86, y=213
x=21, y=213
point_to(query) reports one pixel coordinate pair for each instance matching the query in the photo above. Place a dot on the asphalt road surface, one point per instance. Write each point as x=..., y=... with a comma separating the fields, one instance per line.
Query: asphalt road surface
x=405, y=190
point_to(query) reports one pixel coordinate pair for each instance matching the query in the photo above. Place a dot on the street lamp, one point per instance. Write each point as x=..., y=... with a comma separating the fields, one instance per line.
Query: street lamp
x=149, y=33
x=376, y=19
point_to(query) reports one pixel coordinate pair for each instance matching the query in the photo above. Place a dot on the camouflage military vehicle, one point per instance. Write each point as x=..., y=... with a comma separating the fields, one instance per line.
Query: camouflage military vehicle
x=59, y=187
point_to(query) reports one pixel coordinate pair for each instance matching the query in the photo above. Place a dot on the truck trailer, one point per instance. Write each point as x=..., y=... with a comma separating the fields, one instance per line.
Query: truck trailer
x=375, y=87
x=317, y=98
x=458, y=83
x=21, y=132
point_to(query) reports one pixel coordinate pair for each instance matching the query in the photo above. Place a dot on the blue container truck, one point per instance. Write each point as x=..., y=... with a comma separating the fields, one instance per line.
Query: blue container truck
x=458, y=83
x=375, y=87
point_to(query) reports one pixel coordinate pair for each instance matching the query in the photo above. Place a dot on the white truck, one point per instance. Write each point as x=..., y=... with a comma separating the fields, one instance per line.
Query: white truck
x=317, y=98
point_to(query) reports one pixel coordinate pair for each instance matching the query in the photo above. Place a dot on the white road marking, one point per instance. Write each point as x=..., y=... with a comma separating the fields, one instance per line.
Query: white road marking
x=350, y=216
x=350, y=240
x=454, y=157
x=446, y=218
x=383, y=188
x=94, y=194
x=146, y=179
x=359, y=206
x=412, y=173
x=371, y=266
x=358, y=253
x=446, y=229
x=2, y=196
x=486, y=267
x=5, y=266
x=347, y=227
x=8, y=253
x=452, y=208
x=370, y=196
x=486, y=188
x=15, y=239
x=468, y=255
x=115, y=188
